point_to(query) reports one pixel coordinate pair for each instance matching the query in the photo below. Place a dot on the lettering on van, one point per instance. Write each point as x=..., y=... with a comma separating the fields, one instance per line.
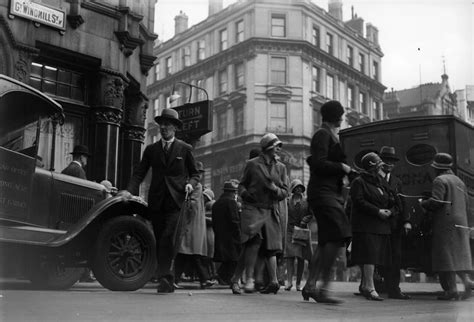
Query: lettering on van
x=415, y=178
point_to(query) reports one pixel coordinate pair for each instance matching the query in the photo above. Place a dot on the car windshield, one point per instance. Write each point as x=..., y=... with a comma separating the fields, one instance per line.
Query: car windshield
x=31, y=139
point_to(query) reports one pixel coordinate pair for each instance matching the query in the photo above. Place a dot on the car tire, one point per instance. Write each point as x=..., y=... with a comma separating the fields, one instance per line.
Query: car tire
x=124, y=254
x=53, y=276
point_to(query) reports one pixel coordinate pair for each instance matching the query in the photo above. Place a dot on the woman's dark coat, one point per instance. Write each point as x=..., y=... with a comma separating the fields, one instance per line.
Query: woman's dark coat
x=226, y=225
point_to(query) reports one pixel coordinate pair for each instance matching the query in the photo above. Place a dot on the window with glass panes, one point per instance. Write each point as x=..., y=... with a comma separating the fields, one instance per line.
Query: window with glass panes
x=330, y=86
x=363, y=103
x=221, y=125
x=316, y=86
x=361, y=62
x=186, y=52
x=316, y=119
x=278, y=70
x=223, y=39
x=169, y=65
x=201, y=49
x=278, y=116
x=350, y=96
x=201, y=95
x=239, y=75
x=156, y=107
x=58, y=81
x=350, y=56
x=223, y=81
x=239, y=31
x=375, y=67
x=157, y=71
x=278, y=25
x=315, y=36
x=239, y=120
x=377, y=113
x=329, y=43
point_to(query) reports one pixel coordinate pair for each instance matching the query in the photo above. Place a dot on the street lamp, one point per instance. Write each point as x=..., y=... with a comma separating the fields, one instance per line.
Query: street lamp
x=175, y=95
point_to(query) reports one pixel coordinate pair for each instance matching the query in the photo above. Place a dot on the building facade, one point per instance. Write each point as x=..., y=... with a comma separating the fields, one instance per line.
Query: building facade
x=426, y=99
x=465, y=103
x=93, y=58
x=268, y=66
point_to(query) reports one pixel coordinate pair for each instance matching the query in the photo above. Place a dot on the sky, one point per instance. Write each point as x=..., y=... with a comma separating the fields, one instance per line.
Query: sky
x=419, y=38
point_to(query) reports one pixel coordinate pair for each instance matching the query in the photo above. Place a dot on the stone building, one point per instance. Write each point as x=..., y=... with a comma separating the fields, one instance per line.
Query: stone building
x=93, y=58
x=465, y=103
x=426, y=99
x=268, y=66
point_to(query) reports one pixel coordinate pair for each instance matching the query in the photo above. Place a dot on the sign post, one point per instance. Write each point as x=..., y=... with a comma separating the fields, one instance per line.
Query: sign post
x=197, y=120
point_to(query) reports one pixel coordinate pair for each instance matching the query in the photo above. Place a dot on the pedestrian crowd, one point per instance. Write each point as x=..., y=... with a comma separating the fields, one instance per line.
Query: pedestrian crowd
x=257, y=231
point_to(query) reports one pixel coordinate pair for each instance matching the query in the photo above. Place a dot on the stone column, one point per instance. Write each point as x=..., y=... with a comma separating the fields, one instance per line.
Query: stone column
x=107, y=111
x=132, y=136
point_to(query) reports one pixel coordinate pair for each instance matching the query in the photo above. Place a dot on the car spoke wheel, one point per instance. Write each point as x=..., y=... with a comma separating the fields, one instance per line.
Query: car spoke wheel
x=124, y=254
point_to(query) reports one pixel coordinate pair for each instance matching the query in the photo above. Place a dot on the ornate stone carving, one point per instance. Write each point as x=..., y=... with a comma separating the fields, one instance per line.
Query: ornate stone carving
x=113, y=94
x=108, y=116
x=135, y=133
x=22, y=68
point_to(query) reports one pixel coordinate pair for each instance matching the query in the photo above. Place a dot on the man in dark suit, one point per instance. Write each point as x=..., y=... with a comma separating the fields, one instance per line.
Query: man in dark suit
x=174, y=174
x=80, y=154
x=399, y=224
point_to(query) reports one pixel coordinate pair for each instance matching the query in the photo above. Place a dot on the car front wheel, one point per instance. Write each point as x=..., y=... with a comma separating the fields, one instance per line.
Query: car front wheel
x=124, y=254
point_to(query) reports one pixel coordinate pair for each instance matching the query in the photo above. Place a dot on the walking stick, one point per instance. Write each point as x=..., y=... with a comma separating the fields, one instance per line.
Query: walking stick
x=422, y=197
x=464, y=227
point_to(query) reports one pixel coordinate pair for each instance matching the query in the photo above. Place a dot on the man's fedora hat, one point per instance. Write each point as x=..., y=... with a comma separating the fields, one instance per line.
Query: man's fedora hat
x=169, y=114
x=442, y=161
x=231, y=185
x=81, y=150
x=388, y=153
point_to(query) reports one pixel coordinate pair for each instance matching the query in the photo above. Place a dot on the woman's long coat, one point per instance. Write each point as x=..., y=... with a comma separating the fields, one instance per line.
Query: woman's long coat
x=194, y=241
x=450, y=248
x=261, y=199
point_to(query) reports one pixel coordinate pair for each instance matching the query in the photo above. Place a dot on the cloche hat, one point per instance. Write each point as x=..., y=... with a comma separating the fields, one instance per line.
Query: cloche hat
x=370, y=161
x=269, y=141
x=297, y=183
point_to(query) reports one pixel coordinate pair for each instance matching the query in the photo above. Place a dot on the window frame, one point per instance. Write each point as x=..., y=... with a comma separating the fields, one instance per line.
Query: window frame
x=329, y=43
x=330, y=76
x=316, y=36
x=274, y=72
x=277, y=117
x=223, y=39
x=223, y=81
x=316, y=79
x=274, y=27
x=201, y=50
x=238, y=76
x=239, y=33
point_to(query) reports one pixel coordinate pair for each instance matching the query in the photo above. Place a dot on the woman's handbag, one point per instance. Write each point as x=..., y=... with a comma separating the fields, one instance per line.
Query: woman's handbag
x=301, y=236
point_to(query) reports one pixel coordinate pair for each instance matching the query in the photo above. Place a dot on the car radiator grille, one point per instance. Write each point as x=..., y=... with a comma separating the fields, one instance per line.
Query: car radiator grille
x=73, y=207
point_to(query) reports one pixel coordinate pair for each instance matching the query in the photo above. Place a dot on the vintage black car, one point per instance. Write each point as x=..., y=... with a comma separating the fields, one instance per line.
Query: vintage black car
x=53, y=226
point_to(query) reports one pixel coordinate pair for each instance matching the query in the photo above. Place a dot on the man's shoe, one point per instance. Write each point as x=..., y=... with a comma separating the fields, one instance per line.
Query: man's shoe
x=164, y=286
x=398, y=296
x=235, y=288
x=208, y=283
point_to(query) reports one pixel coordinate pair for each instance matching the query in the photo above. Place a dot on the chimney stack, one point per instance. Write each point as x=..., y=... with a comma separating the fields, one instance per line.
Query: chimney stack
x=215, y=6
x=180, y=23
x=372, y=33
x=335, y=9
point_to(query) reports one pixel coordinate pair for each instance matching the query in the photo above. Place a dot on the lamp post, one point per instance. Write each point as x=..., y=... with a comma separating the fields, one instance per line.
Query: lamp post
x=174, y=97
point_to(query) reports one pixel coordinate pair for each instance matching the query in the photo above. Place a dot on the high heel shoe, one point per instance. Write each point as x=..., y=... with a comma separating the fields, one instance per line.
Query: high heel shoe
x=322, y=297
x=309, y=294
x=235, y=288
x=271, y=288
x=289, y=287
x=259, y=286
x=298, y=288
x=372, y=295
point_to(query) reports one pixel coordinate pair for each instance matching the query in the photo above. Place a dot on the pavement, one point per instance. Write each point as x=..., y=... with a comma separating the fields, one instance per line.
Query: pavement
x=91, y=302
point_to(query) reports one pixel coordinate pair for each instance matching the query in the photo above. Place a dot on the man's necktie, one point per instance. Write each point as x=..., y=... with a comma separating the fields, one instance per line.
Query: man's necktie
x=167, y=148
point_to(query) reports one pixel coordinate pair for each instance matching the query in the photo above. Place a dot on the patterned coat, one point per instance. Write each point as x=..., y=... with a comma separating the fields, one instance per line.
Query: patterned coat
x=450, y=248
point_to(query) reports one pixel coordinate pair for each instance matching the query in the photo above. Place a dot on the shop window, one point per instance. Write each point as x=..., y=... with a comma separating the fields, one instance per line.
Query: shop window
x=58, y=81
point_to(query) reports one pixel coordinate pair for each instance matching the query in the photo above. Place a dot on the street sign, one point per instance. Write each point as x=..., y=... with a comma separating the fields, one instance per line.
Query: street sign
x=196, y=118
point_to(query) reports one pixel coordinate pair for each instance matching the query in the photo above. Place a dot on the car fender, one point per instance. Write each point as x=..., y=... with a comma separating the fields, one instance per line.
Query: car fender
x=108, y=208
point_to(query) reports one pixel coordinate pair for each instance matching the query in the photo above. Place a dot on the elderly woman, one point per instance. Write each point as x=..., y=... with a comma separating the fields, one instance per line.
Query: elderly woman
x=451, y=253
x=371, y=201
x=263, y=186
x=299, y=215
